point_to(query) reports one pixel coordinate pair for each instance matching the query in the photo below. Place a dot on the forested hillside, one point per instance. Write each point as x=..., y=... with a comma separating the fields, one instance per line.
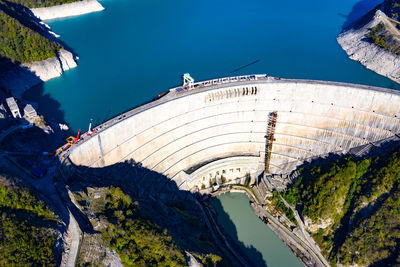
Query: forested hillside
x=22, y=44
x=27, y=229
x=138, y=240
x=385, y=34
x=41, y=3
x=353, y=208
x=22, y=37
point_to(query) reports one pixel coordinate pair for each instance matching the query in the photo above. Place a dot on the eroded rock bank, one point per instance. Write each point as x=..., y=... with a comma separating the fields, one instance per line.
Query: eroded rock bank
x=20, y=78
x=67, y=10
x=359, y=47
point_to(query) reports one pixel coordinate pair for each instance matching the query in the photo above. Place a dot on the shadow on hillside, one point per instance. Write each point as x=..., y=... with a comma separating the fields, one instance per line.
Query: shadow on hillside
x=359, y=10
x=160, y=200
x=375, y=149
x=25, y=147
x=48, y=106
x=6, y=64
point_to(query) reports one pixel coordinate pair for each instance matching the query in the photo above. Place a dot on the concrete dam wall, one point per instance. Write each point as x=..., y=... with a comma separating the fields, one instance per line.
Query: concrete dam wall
x=234, y=126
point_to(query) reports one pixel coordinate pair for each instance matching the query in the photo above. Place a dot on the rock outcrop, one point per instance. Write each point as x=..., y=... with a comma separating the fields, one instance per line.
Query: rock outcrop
x=358, y=47
x=20, y=78
x=67, y=10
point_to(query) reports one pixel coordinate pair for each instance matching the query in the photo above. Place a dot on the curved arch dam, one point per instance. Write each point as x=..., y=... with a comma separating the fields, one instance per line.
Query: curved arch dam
x=248, y=124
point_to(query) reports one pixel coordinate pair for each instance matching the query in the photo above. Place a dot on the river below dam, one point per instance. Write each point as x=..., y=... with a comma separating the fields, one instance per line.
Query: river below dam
x=134, y=50
x=256, y=240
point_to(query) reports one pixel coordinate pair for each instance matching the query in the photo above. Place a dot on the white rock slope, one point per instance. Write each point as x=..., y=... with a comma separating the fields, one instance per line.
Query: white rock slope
x=369, y=54
x=67, y=10
x=24, y=76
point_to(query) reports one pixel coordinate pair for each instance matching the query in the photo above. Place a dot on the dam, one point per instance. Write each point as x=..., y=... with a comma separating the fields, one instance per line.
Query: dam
x=242, y=126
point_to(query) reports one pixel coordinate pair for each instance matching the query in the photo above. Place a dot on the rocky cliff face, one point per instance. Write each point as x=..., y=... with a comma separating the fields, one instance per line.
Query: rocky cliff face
x=357, y=46
x=22, y=77
x=67, y=10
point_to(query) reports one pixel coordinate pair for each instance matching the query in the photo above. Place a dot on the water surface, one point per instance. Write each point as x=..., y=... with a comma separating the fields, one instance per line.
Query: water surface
x=135, y=49
x=240, y=222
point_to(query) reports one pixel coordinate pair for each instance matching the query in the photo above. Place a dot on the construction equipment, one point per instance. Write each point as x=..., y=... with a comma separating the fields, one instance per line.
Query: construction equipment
x=90, y=131
x=58, y=151
x=77, y=136
x=70, y=141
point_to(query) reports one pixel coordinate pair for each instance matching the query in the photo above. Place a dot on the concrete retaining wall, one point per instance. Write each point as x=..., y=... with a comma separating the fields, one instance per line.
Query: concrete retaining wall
x=183, y=130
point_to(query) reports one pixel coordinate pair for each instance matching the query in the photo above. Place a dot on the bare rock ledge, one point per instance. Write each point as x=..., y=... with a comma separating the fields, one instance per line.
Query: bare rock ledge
x=67, y=10
x=373, y=57
x=22, y=77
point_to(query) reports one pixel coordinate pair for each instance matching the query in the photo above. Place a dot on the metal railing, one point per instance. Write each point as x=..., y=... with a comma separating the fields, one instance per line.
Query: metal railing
x=220, y=81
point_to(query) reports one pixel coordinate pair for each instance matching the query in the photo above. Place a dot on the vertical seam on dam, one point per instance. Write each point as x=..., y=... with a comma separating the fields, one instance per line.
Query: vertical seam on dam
x=101, y=151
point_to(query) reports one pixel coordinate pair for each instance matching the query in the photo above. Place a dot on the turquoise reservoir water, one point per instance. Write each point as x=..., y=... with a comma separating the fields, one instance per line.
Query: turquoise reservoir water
x=135, y=49
x=239, y=221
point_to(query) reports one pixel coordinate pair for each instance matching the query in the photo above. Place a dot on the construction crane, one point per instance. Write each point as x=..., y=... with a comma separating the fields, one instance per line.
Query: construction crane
x=188, y=81
x=70, y=141
x=90, y=131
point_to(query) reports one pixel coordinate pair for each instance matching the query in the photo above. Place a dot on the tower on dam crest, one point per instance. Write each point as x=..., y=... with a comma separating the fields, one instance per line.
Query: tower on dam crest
x=238, y=127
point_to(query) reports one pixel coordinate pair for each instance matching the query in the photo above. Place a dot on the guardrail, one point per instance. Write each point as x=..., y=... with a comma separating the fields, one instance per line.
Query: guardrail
x=220, y=81
x=209, y=83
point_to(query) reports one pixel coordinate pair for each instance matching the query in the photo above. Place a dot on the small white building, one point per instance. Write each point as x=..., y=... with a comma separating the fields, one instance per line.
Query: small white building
x=12, y=105
x=29, y=111
x=3, y=112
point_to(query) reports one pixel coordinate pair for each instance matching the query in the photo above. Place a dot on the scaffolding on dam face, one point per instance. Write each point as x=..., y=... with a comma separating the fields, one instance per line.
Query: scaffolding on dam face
x=269, y=139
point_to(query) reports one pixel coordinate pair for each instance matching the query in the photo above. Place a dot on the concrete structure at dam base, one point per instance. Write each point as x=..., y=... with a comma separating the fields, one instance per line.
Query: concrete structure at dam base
x=236, y=128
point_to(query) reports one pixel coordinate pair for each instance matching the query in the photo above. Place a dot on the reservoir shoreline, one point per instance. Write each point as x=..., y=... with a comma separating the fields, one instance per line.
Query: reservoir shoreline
x=358, y=47
x=22, y=77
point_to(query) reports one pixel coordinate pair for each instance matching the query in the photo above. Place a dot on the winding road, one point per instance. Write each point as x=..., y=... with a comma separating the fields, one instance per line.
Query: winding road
x=73, y=231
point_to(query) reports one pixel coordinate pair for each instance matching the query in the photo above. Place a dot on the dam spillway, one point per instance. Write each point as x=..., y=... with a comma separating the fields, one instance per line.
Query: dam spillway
x=220, y=127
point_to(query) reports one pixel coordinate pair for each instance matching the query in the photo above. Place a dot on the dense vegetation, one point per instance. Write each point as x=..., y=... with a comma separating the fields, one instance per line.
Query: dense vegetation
x=22, y=37
x=382, y=34
x=42, y=3
x=354, y=208
x=383, y=38
x=21, y=44
x=26, y=234
x=129, y=228
x=280, y=206
x=136, y=239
